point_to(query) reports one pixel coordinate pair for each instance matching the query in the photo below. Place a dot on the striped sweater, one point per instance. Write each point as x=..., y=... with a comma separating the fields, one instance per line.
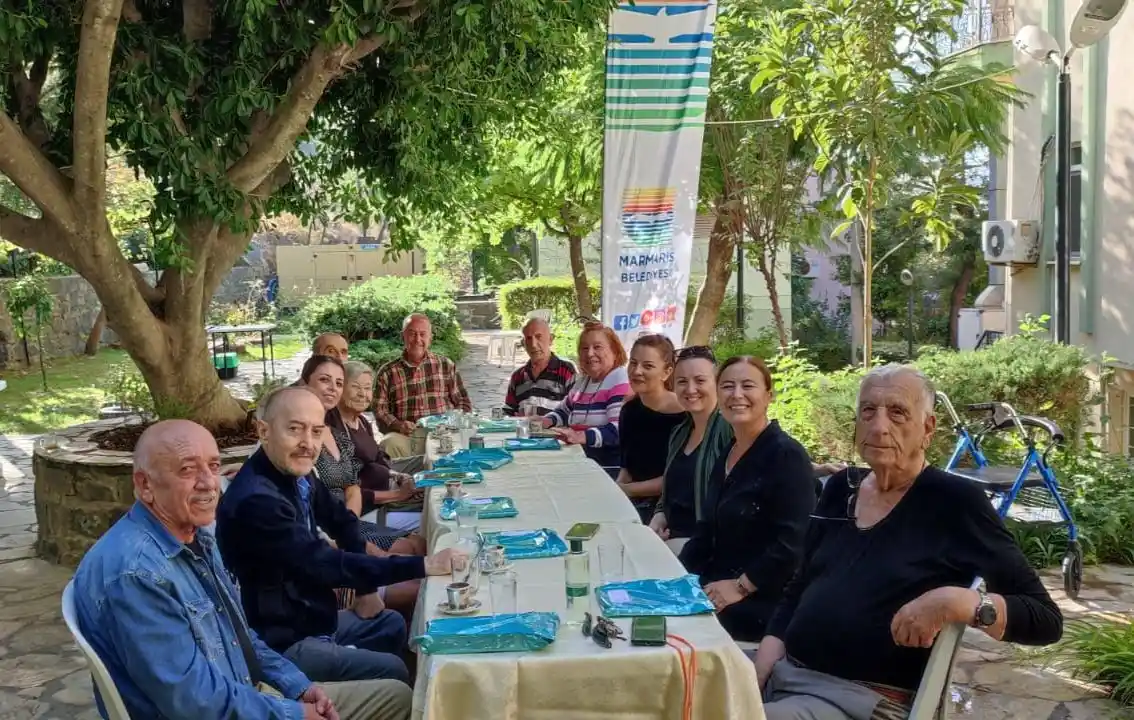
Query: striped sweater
x=594, y=407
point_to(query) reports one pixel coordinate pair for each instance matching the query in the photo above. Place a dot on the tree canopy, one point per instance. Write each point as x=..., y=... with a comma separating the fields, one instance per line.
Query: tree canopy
x=210, y=99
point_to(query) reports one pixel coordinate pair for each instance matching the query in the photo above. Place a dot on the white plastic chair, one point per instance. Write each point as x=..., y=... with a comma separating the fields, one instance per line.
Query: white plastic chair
x=931, y=700
x=111, y=700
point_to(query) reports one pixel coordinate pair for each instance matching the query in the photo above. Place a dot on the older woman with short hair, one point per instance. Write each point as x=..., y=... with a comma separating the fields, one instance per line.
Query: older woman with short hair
x=889, y=559
x=589, y=415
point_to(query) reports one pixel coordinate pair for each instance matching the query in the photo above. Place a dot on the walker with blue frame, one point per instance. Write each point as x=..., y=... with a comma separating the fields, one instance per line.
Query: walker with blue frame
x=1029, y=493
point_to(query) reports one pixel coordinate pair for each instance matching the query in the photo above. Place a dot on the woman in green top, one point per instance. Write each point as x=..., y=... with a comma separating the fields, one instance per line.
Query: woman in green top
x=694, y=447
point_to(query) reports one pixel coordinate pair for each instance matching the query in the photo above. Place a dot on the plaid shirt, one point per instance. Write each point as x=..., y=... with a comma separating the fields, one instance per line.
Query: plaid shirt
x=405, y=393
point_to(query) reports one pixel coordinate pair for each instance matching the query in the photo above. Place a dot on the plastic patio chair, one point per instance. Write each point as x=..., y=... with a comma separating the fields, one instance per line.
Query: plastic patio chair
x=111, y=700
x=931, y=700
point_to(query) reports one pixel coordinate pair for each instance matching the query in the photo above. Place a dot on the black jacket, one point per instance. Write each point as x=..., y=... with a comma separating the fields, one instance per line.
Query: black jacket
x=287, y=573
x=755, y=519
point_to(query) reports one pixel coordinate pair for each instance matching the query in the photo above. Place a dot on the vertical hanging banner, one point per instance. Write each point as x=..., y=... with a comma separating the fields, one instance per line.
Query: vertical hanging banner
x=658, y=58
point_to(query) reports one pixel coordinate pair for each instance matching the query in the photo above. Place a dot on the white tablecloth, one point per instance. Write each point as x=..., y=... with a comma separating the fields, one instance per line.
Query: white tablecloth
x=549, y=488
x=574, y=677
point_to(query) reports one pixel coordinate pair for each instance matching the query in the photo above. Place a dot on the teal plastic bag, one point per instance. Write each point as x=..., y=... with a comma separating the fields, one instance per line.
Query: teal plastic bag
x=514, y=444
x=433, y=421
x=496, y=426
x=479, y=458
x=513, y=632
x=633, y=598
x=434, y=478
x=527, y=544
x=487, y=508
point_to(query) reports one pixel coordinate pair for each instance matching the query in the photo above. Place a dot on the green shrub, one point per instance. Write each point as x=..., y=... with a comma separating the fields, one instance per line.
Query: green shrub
x=374, y=312
x=724, y=329
x=566, y=340
x=766, y=346
x=557, y=294
x=1100, y=652
x=1099, y=490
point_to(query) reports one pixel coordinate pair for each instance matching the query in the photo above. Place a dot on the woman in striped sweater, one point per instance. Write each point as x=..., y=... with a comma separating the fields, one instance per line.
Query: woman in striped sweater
x=588, y=416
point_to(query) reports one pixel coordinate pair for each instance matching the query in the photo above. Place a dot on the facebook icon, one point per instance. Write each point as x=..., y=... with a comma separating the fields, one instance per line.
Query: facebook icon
x=621, y=323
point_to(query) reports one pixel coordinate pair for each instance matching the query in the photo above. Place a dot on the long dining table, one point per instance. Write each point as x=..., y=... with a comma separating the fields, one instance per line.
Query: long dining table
x=574, y=677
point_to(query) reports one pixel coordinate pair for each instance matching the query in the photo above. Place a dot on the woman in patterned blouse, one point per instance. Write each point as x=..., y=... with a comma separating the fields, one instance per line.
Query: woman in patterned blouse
x=337, y=467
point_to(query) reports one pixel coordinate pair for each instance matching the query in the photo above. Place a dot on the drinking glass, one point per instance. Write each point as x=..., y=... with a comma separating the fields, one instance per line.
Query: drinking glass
x=468, y=516
x=470, y=565
x=612, y=561
x=502, y=587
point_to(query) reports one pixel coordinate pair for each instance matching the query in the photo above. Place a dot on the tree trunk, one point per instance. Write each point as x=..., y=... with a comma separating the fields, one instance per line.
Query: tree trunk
x=579, y=273
x=94, y=339
x=957, y=297
x=868, y=270
x=718, y=270
x=766, y=264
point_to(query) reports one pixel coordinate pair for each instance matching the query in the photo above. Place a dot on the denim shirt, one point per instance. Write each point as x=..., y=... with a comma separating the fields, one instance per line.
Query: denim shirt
x=151, y=610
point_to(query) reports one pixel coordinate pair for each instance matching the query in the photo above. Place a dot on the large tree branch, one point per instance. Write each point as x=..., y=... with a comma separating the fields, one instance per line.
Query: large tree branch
x=34, y=234
x=92, y=84
x=23, y=164
x=197, y=19
x=324, y=65
x=26, y=90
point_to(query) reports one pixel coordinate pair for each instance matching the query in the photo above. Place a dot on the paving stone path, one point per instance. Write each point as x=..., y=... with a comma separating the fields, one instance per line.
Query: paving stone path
x=42, y=674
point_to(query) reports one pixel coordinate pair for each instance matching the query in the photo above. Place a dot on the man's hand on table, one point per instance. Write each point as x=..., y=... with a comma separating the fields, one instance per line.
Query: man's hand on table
x=404, y=427
x=723, y=593
x=403, y=485
x=317, y=706
x=441, y=563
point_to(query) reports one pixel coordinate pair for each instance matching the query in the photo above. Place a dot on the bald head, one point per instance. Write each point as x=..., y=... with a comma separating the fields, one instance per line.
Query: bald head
x=177, y=475
x=537, y=340
x=331, y=345
x=291, y=428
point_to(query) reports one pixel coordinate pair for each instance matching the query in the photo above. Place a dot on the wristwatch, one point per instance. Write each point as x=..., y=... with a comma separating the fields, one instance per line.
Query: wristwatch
x=744, y=591
x=985, y=614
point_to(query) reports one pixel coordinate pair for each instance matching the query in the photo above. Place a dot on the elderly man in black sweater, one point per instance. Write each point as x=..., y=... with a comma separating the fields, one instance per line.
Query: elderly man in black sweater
x=889, y=559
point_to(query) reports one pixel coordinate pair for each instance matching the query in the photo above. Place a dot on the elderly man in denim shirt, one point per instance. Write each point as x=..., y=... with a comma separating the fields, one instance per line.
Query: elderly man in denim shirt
x=158, y=607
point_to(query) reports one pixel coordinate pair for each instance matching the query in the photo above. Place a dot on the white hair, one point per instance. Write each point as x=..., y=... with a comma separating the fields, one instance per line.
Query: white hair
x=415, y=316
x=888, y=373
x=535, y=320
x=355, y=369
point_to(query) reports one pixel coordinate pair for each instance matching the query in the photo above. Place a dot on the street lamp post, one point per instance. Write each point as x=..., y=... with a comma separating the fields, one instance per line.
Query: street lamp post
x=907, y=279
x=1094, y=20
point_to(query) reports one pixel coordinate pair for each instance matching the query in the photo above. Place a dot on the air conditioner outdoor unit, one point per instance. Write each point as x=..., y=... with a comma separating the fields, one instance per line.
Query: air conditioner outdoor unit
x=1010, y=242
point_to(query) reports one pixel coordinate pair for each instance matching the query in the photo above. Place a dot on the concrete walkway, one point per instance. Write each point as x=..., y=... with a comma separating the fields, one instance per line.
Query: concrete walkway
x=42, y=674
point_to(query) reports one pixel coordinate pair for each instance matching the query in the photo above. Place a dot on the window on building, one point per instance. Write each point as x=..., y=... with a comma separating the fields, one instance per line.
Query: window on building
x=1076, y=229
x=1130, y=425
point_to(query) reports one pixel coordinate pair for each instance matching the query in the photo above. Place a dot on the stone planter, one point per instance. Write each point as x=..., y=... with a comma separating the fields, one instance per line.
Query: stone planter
x=80, y=491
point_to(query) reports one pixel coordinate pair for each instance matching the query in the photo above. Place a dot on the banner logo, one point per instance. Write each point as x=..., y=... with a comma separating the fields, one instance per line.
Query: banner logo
x=647, y=216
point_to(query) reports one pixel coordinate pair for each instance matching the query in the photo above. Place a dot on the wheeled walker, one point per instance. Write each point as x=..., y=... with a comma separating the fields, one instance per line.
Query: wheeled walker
x=1029, y=493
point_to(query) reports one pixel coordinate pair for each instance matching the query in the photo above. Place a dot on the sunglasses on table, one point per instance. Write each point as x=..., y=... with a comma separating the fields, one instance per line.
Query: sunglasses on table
x=601, y=630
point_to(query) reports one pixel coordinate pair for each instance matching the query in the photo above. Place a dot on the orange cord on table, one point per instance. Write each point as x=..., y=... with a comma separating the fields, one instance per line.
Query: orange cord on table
x=688, y=672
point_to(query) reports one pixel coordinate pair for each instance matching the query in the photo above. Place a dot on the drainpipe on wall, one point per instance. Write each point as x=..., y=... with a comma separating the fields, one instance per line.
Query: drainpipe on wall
x=1094, y=153
x=1054, y=24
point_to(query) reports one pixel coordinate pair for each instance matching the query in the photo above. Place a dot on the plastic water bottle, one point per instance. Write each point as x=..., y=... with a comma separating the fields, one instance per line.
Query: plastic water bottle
x=578, y=581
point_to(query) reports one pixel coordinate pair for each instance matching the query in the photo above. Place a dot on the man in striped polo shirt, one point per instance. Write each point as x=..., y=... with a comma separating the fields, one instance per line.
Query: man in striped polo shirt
x=540, y=385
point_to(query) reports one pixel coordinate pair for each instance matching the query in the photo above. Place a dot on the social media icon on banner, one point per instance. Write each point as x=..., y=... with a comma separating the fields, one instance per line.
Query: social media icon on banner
x=634, y=320
x=621, y=323
x=647, y=318
x=671, y=314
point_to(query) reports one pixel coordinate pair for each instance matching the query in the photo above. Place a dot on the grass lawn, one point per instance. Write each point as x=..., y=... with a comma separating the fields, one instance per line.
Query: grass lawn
x=77, y=389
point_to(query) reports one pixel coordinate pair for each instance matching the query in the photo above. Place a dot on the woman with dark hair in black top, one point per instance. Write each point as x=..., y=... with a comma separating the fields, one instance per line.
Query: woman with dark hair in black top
x=749, y=540
x=646, y=422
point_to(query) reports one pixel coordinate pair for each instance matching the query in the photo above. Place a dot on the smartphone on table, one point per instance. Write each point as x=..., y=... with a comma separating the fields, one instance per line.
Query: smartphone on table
x=648, y=631
x=582, y=531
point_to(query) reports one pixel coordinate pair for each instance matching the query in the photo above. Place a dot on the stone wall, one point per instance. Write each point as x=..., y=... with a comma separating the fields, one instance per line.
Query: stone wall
x=478, y=314
x=80, y=491
x=75, y=308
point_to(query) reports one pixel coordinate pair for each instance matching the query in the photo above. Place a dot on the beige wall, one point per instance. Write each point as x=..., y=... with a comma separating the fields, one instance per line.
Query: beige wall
x=553, y=261
x=1023, y=196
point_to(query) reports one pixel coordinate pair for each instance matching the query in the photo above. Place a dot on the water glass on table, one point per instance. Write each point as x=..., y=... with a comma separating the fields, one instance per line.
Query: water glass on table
x=468, y=516
x=612, y=561
x=502, y=587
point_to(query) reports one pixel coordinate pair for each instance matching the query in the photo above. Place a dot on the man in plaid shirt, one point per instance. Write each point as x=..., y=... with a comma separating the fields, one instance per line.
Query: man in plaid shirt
x=416, y=385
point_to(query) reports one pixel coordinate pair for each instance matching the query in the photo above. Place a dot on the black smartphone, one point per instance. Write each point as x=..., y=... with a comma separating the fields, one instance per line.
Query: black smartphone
x=582, y=531
x=647, y=631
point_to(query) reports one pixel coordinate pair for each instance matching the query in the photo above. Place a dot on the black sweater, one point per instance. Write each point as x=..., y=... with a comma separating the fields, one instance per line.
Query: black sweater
x=755, y=517
x=835, y=615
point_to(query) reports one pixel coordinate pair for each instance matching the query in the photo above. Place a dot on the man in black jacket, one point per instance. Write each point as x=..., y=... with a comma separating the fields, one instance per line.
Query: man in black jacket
x=268, y=529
